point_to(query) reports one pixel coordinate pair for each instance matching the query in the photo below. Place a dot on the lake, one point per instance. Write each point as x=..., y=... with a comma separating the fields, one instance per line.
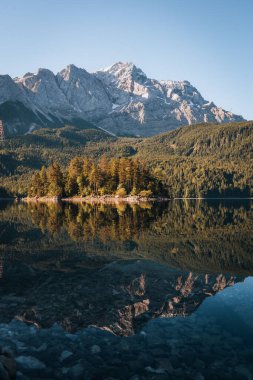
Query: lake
x=128, y=291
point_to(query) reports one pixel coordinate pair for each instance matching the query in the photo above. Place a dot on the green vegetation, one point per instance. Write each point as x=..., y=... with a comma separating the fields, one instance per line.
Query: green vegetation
x=21, y=156
x=202, y=160
x=85, y=176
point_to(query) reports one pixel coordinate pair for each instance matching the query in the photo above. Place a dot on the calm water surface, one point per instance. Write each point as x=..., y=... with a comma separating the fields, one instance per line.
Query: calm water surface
x=173, y=280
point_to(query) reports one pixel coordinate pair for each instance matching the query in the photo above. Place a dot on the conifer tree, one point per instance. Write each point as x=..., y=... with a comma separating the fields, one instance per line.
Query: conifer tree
x=114, y=174
x=95, y=179
x=36, y=186
x=44, y=181
x=84, y=176
x=73, y=171
x=55, y=180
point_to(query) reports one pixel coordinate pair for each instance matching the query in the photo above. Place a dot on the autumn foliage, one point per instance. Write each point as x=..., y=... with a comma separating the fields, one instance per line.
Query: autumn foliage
x=85, y=176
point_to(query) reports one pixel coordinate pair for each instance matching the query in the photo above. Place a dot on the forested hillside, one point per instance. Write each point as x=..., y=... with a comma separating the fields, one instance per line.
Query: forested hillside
x=201, y=160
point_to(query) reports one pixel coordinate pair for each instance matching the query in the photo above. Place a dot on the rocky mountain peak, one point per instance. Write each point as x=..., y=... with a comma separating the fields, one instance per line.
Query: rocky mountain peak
x=123, y=70
x=123, y=75
x=120, y=99
x=72, y=71
x=45, y=73
x=9, y=91
x=84, y=92
x=182, y=90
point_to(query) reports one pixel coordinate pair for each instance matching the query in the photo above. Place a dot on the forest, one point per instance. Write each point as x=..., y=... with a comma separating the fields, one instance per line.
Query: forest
x=85, y=176
x=204, y=160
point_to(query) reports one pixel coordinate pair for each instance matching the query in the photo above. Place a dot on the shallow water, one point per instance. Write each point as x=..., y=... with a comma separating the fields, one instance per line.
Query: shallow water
x=172, y=282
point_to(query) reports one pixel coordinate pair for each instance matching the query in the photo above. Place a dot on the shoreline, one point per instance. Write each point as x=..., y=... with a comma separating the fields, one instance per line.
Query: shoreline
x=110, y=199
x=96, y=199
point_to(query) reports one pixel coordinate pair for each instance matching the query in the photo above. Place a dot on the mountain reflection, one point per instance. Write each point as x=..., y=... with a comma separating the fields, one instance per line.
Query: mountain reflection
x=118, y=266
x=119, y=297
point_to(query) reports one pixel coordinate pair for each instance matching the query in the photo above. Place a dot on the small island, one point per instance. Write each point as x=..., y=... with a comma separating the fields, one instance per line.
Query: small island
x=104, y=180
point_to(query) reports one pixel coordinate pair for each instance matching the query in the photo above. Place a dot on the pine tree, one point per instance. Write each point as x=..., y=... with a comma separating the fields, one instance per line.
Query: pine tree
x=36, y=186
x=44, y=181
x=73, y=172
x=55, y=180
x=114, y=175
x=136, y=176
x=95, y=179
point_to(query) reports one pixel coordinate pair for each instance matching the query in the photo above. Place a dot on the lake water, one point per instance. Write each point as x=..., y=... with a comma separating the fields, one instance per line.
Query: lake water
x=147, y=291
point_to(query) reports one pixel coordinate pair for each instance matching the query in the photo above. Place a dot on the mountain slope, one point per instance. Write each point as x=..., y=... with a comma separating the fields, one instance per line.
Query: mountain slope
x=227, y=141
x=201, y=160
x=146, y=107
x=120, y=99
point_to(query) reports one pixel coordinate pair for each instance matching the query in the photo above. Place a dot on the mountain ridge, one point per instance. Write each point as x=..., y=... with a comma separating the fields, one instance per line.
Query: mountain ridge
x=120, y=99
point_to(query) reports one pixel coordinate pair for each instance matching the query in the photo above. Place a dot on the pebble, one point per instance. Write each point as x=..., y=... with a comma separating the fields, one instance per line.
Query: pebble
x=30, y=362
x=76, y=371
x=42, y=347
x=3, y=373
x=95, y=349
x=199, y=376
x=65, y=355
x=7, y=365
x=158, y=371
x=95, y=354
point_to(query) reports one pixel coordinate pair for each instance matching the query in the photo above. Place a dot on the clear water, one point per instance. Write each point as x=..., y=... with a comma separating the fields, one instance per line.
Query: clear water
x=175, y=278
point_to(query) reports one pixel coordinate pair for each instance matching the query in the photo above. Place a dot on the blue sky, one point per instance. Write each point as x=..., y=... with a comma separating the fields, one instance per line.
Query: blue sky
x=208, y=42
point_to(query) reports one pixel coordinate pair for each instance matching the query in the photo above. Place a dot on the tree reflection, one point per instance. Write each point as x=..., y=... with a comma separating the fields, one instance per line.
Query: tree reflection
x=192, y=234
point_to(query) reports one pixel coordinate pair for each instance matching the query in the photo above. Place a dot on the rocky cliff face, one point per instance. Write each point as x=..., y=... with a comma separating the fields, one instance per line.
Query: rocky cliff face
x=120, y=99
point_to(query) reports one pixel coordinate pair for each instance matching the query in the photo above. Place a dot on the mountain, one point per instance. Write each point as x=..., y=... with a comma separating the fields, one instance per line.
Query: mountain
x=120, y=99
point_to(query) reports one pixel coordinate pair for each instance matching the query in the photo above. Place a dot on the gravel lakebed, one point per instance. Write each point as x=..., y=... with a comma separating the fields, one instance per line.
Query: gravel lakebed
x=195, y=347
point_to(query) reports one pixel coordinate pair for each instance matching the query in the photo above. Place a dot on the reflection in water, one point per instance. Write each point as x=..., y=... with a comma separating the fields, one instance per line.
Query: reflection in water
x=120, y=268
x=120, y=296
x=69, y=251
x=189, y=234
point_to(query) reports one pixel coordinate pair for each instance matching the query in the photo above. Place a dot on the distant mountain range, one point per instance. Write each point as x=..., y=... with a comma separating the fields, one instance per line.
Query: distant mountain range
x=120, y=99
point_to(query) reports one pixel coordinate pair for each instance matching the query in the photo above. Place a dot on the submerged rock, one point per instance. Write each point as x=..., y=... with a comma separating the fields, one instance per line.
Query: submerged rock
x=7, y=365
x=29, y=362
x=120, y=297
x=65, y=355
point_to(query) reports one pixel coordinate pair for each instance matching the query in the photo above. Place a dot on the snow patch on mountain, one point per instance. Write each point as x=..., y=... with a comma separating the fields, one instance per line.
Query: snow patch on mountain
x=120, y=99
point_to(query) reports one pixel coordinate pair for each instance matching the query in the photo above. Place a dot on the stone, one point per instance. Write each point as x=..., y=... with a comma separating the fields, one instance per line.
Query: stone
x=199, y=376
x=165, y=364
x=159, y=371
x=20, y=376
x=76, y=371
x=30, y=362
x=8, y=364
x=42, y=347
x=65, y=355
x=3, y=373
x=95, y=349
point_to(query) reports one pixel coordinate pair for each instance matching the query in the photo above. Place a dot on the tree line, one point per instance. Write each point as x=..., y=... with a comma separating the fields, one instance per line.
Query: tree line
x=87, y=176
